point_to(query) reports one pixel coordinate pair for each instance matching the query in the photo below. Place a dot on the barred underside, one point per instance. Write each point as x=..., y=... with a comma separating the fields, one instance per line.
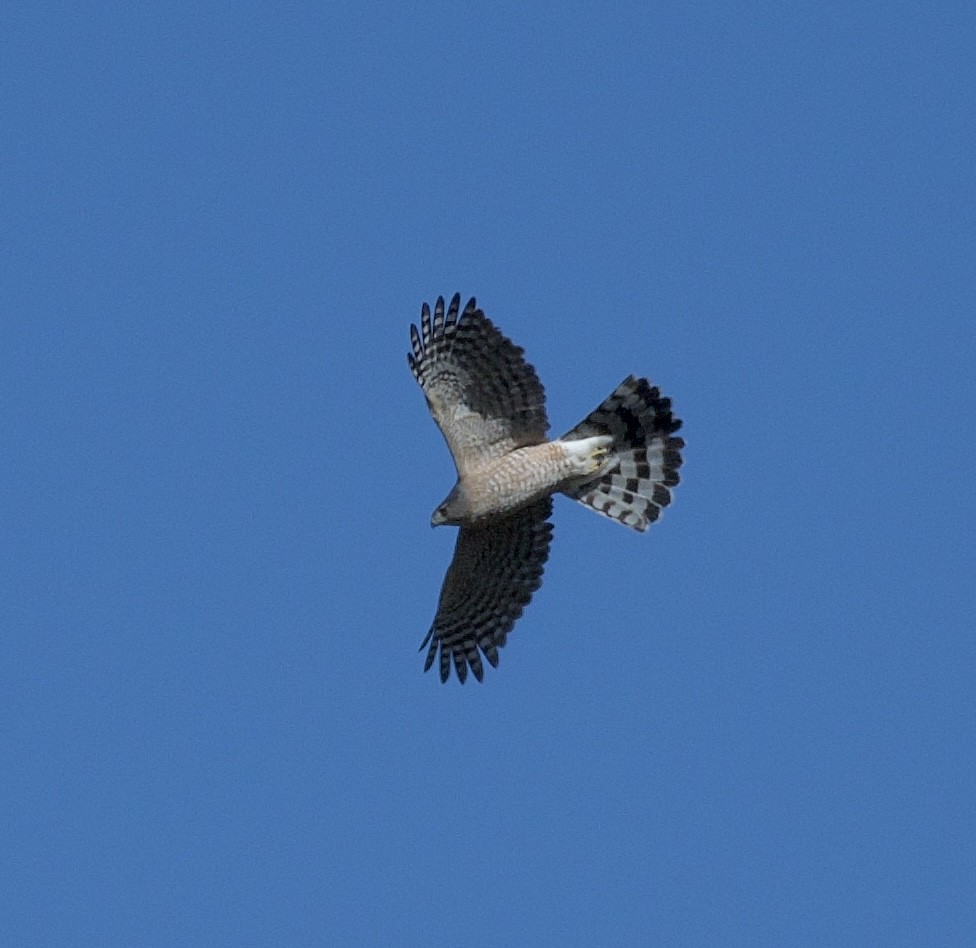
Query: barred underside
x=502, y=485
x=638, y=487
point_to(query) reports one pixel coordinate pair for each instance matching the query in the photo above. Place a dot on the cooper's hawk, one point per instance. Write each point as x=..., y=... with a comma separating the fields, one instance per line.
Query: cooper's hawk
x=621, y=461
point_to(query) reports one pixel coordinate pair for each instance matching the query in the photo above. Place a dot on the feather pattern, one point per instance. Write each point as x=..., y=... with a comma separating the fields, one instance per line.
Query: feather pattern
x=637, y=486
x=486, y=399
x=495, y=570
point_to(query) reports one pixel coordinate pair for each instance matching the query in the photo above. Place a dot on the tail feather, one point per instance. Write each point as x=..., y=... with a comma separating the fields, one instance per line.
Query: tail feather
x=636, y=487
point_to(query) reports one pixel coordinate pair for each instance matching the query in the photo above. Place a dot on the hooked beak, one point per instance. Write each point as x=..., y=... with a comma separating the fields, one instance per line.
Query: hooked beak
x=437, y=518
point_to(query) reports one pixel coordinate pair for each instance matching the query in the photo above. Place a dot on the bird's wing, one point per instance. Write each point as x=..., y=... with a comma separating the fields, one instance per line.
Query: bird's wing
x=496, y=569
x=486, y=399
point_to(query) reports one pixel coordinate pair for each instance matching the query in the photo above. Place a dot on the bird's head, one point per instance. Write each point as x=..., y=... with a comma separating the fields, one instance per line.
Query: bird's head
x=451, y=510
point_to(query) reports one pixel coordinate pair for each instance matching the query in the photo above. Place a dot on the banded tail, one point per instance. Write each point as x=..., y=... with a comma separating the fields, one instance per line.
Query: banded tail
x=636, y=487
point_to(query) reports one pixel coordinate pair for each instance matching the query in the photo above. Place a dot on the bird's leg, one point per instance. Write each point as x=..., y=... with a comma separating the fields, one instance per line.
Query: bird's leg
x=590, y=455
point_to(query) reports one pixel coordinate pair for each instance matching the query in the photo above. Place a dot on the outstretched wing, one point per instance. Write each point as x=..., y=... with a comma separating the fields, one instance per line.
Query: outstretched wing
x=486, y=399
x=495, y=570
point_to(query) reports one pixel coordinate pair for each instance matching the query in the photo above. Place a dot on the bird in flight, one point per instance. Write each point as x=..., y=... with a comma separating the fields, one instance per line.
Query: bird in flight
x=621, y=460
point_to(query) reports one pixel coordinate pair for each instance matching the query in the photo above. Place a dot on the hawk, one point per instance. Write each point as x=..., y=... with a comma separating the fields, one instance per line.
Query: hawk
x=622, y=461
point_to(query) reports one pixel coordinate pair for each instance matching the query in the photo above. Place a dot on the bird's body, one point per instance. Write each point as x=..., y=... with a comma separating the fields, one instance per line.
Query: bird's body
x=522, y=476
x=620, y=461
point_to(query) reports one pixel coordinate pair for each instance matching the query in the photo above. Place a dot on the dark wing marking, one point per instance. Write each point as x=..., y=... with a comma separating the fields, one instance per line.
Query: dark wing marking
x=495, y=570
x=486, y=399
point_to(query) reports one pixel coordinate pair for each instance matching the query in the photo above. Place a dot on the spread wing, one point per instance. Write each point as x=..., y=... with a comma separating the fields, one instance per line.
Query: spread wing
x=486, y=399
x=495, y=570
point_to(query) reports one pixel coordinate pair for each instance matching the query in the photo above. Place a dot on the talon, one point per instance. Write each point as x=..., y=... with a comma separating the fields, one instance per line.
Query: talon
x=598, y=457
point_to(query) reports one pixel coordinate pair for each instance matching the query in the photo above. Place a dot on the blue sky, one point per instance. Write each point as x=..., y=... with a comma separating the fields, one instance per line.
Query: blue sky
x=753, y=725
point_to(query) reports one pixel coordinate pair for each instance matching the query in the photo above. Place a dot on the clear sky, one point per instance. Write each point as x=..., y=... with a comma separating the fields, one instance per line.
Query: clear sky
x=753, y=725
